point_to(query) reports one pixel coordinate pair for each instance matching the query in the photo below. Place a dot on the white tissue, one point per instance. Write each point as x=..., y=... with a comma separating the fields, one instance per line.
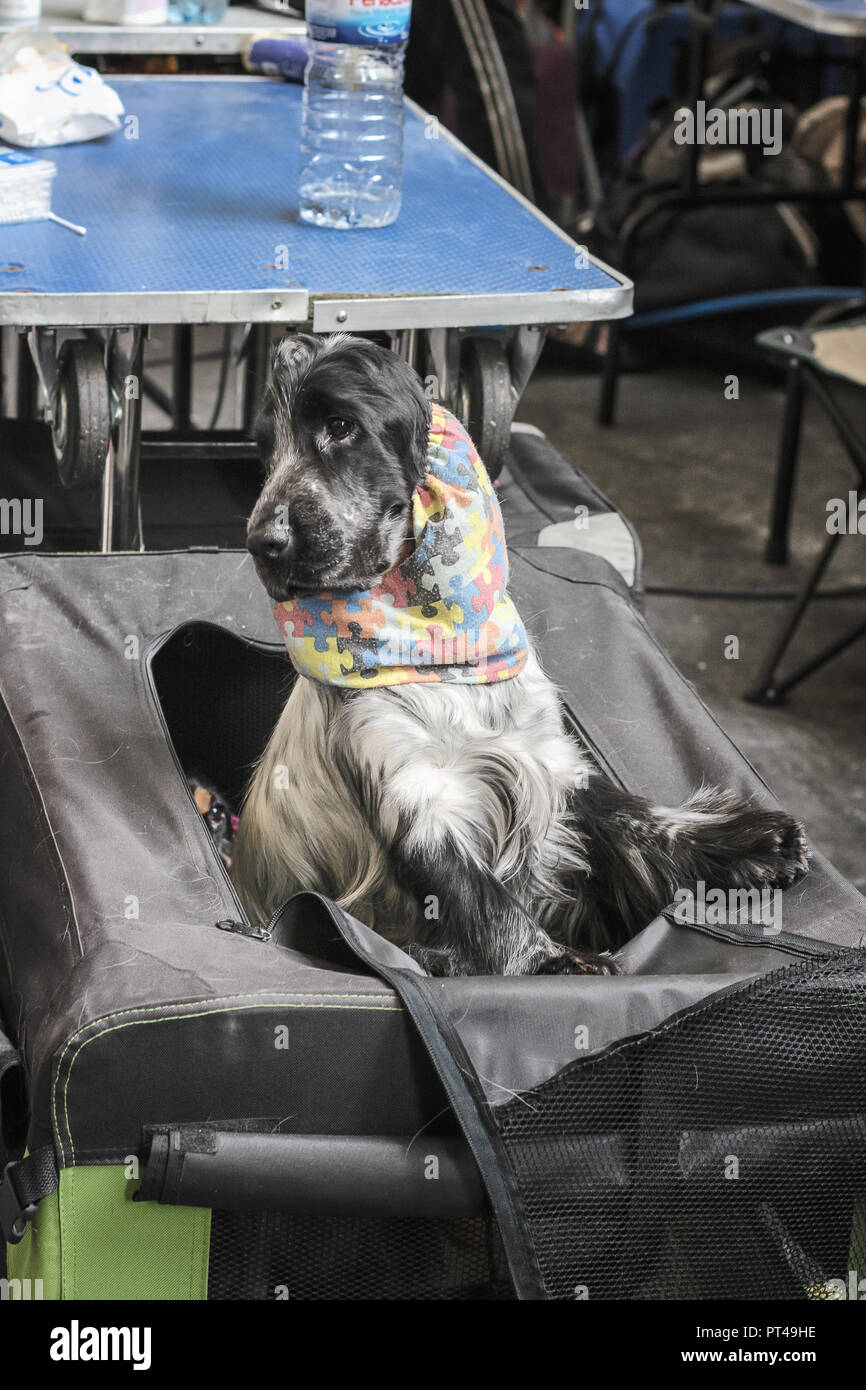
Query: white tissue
x=25, y=187
x=48, y=99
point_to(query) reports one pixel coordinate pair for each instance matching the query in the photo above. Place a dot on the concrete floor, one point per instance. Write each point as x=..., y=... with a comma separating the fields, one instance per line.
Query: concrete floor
x=693, y=472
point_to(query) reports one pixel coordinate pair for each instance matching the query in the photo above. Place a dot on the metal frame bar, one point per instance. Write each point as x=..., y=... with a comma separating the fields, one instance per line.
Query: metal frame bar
x=120, y=509
x=25, y=382
x=181, y=377
x=229, y=445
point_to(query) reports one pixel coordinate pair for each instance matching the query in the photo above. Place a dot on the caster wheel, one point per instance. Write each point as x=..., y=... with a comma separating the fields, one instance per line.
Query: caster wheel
x=486, y=400
x=81, y=429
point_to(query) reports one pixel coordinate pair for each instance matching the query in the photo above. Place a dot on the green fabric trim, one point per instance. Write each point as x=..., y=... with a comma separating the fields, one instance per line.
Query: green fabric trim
x=91, y=1241
x=37, y=1256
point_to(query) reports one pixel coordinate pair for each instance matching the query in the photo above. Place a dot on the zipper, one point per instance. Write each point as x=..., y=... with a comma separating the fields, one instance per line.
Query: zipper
x=266, y=932
x=780, y=941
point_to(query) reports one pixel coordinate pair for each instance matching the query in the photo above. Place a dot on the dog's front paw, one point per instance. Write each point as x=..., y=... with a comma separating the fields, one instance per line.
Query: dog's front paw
x=572, y=963
x=780, y=856
x=794, y=855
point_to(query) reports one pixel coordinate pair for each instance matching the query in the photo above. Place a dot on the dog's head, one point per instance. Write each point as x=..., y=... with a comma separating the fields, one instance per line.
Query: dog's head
x=343, y=434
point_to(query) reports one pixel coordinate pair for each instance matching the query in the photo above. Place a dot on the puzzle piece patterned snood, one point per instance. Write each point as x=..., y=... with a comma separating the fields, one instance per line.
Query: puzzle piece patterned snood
x=442, y=613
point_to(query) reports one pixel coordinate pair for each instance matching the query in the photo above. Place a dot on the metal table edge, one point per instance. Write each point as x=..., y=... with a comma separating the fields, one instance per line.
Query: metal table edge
x=818, y=19
x=161, y=40
x=278, y=305
x=471, y=311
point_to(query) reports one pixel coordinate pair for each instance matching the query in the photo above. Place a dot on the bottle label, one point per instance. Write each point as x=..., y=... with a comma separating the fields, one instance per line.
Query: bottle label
x=373, y=23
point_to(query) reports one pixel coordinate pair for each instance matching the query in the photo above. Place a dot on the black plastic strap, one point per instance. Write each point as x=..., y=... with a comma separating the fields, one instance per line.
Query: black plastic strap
x=419, y=995
x=24, y=1185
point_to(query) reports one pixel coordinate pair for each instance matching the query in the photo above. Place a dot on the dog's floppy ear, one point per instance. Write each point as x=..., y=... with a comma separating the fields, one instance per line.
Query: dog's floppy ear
x=408, y=424
x=290, y=359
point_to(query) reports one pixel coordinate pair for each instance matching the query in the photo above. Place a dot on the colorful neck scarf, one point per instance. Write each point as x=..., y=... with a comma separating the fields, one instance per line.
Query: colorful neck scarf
x=441, y=614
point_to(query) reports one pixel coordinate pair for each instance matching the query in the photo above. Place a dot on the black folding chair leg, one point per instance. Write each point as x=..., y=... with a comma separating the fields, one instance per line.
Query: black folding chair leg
x=609, y=376
x=816, y=662
x=776, y=552
x=767, y=690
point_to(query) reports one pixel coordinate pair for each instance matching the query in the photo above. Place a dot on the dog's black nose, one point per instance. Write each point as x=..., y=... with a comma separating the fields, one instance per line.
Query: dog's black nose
x=272, y=541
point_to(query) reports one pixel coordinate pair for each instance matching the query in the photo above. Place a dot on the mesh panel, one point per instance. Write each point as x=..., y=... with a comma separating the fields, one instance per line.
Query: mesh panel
x=275, y=1255
x=723, y=1156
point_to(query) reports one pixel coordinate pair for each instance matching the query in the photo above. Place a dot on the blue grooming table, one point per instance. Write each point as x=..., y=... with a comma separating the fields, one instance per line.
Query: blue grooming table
x=191, y=216
x=191, y=221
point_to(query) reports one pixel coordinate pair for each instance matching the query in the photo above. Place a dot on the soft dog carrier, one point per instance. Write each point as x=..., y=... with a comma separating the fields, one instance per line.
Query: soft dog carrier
x=196, y=1107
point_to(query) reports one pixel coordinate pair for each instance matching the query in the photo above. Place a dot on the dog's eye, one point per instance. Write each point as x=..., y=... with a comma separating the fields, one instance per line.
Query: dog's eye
x=339, y=427
x=396, y=510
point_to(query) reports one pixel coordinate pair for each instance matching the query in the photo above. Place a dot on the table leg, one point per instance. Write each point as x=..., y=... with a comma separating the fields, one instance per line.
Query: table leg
x=406, y=345
x=523, y=354
x=25, y=386
x=609, y=376
x=181, y=378
x=441, y=356
x=256, y=364
x=121, y=512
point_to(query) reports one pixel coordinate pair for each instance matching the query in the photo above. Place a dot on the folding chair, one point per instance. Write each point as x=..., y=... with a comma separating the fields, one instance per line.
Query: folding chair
x=817, y=356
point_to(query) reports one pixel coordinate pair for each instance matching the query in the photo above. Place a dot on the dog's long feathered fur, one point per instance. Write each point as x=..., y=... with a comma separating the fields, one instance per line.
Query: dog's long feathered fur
x=463, y=822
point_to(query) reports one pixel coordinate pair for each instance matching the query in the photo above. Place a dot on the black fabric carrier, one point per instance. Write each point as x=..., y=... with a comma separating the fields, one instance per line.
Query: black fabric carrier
x=692, y=1128
x=694, y=1162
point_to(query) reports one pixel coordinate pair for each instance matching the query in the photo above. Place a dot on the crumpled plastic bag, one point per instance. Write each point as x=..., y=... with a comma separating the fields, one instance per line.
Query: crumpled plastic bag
x=46, y=98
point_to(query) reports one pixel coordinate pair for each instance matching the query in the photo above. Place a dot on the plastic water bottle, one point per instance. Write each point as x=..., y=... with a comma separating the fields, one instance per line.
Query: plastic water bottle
x=352, y=134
